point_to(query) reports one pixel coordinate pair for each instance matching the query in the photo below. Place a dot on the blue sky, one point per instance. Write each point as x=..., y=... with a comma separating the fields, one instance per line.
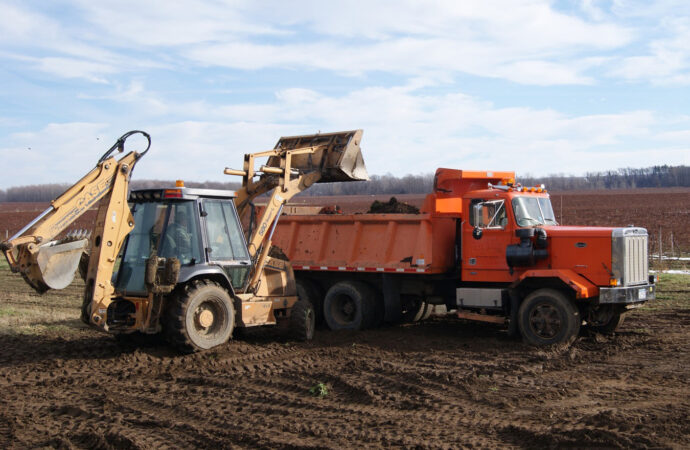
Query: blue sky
x=534, y=86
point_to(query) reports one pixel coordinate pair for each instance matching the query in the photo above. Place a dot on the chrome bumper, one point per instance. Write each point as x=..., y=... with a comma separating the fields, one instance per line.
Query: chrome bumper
x=627, y=294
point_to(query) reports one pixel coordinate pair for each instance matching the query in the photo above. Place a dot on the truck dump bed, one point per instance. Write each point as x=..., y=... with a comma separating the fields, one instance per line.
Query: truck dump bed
x=399, y=243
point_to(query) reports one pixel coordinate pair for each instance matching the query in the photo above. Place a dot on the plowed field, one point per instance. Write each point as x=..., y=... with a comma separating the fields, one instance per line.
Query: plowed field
x=440, y=383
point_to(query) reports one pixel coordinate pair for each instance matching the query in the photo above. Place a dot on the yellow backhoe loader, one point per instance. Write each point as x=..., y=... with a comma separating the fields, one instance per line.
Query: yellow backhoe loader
x=177, y=260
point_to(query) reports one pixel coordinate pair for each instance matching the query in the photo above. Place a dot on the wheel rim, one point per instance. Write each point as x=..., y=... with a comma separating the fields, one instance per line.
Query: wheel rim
x=343, y=309
x=208, y=318
x=545, y=321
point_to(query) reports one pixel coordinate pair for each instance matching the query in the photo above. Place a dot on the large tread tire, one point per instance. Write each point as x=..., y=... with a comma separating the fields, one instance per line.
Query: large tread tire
x=199, y=316
x=349, y=305
x=547, y=317
x=303, y=320
x=307, y=290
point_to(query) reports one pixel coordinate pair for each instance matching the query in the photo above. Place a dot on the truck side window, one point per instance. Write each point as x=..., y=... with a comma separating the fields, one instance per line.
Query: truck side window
x=488, y=214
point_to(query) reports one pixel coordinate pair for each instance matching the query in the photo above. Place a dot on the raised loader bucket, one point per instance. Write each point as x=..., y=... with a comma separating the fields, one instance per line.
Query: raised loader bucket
x=57, y=263
x=338, y=155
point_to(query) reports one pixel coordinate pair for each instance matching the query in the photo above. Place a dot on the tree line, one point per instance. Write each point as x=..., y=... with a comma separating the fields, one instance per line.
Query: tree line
x=627, y=178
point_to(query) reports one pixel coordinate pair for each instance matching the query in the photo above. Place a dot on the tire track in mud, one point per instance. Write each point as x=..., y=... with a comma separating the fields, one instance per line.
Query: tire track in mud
x=446, y=389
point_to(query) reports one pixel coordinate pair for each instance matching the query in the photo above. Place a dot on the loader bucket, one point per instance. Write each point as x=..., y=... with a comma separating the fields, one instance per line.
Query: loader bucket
x=339, y=157
x=57, y=263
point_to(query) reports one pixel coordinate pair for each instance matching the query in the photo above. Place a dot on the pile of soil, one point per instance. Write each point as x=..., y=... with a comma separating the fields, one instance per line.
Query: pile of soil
x=392, y=206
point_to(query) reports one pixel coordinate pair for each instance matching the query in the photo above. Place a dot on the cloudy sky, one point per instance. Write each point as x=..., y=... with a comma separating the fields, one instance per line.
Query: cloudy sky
x=540, y=87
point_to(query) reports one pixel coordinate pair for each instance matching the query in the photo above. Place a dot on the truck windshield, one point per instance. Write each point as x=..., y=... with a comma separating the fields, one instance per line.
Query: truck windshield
x=531, y=211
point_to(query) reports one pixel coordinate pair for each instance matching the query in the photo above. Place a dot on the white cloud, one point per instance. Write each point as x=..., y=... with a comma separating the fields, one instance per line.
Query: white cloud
x=533, y=44
x=405, y=132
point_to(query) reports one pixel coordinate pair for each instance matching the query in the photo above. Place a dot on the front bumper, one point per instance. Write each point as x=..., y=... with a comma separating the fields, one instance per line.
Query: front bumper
x=627, y=294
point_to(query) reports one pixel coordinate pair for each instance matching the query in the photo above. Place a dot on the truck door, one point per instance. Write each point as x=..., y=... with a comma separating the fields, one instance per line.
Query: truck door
x=225, y=244
x=485, y=238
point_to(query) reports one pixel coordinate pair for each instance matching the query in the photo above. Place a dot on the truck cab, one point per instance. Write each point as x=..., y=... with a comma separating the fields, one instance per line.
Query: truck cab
x=513, y=246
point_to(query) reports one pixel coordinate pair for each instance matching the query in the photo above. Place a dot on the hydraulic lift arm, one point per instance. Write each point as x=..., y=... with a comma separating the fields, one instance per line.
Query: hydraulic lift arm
x=48, y=264
x=294, y=165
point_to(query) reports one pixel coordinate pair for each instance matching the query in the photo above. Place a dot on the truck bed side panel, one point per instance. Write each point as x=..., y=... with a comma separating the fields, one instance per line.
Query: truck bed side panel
x=418, y=242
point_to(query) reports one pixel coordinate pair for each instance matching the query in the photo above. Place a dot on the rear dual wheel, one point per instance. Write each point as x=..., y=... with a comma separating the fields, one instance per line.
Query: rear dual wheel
x=351, y=305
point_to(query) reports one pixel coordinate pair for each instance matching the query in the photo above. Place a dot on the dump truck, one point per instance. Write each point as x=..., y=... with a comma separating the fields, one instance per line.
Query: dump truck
x=177, y=261
x=485, y=247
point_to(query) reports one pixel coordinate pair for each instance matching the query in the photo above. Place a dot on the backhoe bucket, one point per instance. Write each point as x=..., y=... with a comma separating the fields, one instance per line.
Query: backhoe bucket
x=57, y=263
x=338, y=156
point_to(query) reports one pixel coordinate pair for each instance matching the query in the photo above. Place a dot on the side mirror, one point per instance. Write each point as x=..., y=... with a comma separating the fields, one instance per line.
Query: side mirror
x=477, y=233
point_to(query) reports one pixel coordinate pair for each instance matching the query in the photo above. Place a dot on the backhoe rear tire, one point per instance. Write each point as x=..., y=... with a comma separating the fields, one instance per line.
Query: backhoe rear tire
x=349, y=305
x=199, y=316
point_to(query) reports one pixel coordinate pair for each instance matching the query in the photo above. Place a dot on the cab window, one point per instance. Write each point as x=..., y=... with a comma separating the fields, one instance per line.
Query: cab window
x=488, y=214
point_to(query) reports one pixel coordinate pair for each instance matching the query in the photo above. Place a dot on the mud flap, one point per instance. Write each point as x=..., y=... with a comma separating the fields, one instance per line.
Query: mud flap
x=391, y=299
x=57, y=263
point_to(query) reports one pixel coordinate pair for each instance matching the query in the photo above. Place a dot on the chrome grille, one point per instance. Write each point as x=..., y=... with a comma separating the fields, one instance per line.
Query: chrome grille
x=629, y=255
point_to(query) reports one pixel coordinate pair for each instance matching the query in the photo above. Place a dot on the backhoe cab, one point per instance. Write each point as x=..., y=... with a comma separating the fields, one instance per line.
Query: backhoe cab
x=186, y=266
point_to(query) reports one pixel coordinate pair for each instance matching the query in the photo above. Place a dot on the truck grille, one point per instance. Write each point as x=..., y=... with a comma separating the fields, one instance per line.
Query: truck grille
x=629, y=255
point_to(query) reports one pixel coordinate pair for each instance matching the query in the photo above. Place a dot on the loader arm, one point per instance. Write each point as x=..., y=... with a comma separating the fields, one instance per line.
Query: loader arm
x=295, y=164
x=48, y=264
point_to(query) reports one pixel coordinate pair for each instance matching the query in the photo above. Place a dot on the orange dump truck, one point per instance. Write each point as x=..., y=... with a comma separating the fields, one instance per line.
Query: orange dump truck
x=485, y=247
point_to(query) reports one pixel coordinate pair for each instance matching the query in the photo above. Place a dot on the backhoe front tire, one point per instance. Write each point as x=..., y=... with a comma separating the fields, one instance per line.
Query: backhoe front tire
x=199, y=316
x=303, y=320
x=547, y=317
x=306, y=290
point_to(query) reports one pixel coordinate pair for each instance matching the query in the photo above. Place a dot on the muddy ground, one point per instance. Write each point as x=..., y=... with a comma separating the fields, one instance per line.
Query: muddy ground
x=443, y=383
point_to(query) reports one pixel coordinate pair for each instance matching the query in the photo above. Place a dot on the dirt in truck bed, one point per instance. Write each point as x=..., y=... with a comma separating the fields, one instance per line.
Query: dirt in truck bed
x=439, y=383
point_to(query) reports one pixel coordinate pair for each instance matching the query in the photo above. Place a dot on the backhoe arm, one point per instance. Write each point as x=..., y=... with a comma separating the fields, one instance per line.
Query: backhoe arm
x=47, y=264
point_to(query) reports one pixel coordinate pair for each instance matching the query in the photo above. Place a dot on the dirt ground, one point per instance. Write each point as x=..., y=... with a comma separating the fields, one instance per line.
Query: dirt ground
x=442, y=383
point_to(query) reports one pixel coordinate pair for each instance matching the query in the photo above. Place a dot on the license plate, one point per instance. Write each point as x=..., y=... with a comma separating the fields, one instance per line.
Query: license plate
x=642, y=294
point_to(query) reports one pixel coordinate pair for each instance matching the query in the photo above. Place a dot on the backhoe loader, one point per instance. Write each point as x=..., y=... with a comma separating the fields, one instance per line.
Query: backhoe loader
x=177, y=261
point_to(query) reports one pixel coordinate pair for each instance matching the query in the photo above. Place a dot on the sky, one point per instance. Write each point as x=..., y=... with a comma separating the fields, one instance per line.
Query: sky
x=538, y=87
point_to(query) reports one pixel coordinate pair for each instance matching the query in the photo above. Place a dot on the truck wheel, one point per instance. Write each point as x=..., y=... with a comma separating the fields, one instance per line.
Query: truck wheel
x=303, y=320
x=349, y=306
x=200, y=316
x=547, y=317
x=604, y=319
x=307, y=290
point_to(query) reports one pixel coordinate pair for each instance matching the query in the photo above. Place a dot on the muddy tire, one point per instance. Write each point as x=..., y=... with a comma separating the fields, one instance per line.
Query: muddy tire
x=349, y=305
x=302, y=320
x=547, y=317
x=605, y=320
x=307, y=290
x=199, y=316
